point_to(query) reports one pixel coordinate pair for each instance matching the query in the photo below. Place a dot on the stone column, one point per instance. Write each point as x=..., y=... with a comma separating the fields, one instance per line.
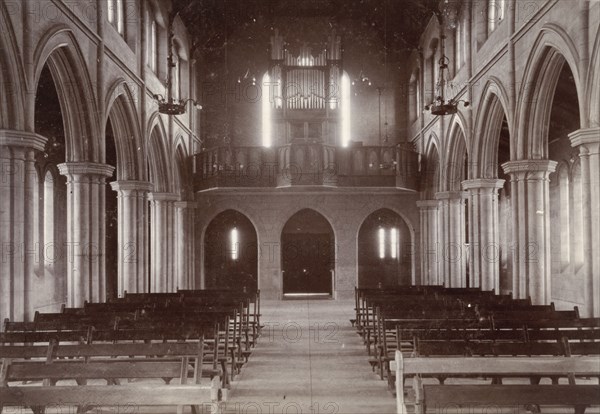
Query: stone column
x=85, y=231
x=531, y=210
x=185, y=245
x=19, y=253
x=430, y=255
x=452, y=231
x=133, y=235
x=588, y=142
x=484, y=241
x=162, y=242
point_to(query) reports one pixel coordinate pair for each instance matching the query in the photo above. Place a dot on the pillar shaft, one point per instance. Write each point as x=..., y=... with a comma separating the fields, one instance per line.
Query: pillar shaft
x=133, y=235
x=85, y=231
x=185, y=245
x=531, y=209
x=162, y=242
x=20, y=255
x=588, y=142
x=452, y=232
x=484, y=240
x=430, y=256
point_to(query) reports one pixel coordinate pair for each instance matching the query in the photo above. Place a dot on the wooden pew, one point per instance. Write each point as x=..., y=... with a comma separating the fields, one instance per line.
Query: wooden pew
x=111, y=363
x=442, y=397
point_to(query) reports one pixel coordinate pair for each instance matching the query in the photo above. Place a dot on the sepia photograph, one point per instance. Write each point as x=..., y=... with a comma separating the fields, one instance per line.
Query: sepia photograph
x=300, y=206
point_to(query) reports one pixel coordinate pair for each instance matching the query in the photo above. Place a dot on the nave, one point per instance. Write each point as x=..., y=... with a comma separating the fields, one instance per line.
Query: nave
x=309, y=360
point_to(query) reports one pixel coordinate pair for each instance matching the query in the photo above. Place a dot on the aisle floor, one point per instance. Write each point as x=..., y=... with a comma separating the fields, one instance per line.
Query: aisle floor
x=309, y=360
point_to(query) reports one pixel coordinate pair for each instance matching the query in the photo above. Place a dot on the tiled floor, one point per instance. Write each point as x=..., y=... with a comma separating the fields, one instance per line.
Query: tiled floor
x=309, y=360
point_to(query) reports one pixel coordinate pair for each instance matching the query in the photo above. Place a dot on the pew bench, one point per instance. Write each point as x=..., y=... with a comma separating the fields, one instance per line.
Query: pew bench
x=169, y=364
x=479, y=396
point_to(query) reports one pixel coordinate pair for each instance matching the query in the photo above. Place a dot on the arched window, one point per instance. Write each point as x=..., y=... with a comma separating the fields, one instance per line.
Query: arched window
x=152, y=35
x=388, y=243
x=116, y=15
x=176, y=74
x=266, y=111
x=459, y=44
x=235, y=244
x=495, y=14
x=345, y=107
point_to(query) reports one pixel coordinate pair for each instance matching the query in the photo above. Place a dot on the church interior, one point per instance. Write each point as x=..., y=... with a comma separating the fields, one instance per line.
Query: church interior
x=324, y=206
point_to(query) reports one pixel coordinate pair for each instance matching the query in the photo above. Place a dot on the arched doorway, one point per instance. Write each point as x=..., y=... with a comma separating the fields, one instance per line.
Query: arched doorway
x=384, y=251
x=504, y=212
x=307, y=255
x=51, y=229
x=231, y=253
x=566, y=209
x=111, y=218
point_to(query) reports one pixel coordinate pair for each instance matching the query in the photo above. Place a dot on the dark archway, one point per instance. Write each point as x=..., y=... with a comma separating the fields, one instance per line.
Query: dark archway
x=231, y=252
x=111, y=218
x=50, y=287
x=307, y=255
x=384, y=251
x=504, y=212
x=566, y=202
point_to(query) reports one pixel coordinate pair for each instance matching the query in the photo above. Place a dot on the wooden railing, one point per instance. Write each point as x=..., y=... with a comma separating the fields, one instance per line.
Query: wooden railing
x=307, y=163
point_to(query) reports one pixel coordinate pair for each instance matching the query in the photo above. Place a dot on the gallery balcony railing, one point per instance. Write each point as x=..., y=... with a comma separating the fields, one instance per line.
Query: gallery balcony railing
x=306, y=164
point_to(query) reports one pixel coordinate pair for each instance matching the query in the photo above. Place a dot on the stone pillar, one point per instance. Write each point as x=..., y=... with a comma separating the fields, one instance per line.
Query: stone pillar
x=20, y=256
x=484, y=241
x=185, y=245
x=452, y=235
x=85, y=231
x=531, y=210
x=346, y=263
x=162, y=242
x=133, y=235
x=270, y=278
x=588, y=142
x=430, y=255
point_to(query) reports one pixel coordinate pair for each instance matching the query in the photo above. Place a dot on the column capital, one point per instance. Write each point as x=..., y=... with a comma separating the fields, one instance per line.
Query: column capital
x=451, y=195
x=23, y=139
x=129, y=185
x=71, y=169
x=482, y=183
x=588, y=139
x=428, y=204
x=529, y=167
x=163, y=197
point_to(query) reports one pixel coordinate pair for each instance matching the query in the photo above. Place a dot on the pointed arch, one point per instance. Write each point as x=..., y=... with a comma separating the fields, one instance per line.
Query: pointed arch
x=488, y=123
x=230, y=252
x=12, y=78
x=182, y=171
x=456, y=155
x=120, y=109
x=431, y=169
x=60, y=50
x=551, y=50
x=593, y=85
x=158, y=161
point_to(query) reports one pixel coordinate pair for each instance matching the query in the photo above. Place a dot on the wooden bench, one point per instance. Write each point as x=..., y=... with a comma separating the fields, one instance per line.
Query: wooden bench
x=441, y=397
x=110, y=363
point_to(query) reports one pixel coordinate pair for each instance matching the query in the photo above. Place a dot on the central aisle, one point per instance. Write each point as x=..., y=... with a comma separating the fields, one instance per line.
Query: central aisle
x=309, y=360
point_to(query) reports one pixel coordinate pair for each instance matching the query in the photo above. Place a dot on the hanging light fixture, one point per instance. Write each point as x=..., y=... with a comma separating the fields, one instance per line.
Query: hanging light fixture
x=167, y=104
x=440, y=106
